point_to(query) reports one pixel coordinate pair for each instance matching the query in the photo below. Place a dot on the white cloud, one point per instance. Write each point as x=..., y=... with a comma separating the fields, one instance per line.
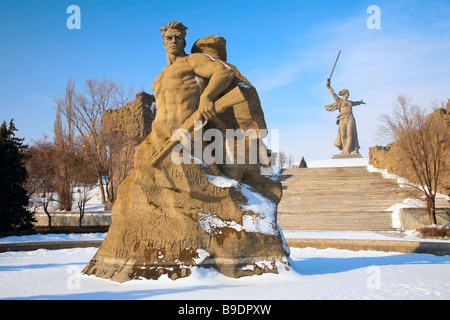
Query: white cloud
x=375, y=65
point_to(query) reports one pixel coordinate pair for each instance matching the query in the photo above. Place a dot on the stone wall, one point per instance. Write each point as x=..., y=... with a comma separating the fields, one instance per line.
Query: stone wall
x=128, y=127
x=134, y=118
x=65, y=219
x=385, y=157
x=414, y=218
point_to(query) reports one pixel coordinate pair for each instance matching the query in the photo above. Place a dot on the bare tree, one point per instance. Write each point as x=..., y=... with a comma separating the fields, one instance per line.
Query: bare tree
x=41, y=182
x=121, y=94
x=282, y=159
x=64, y=146
x=40, y=165
x=121, y=150
x=422, y=148
x=290, y=161
x=84, y=194
x=85, y=116
x=46, y=199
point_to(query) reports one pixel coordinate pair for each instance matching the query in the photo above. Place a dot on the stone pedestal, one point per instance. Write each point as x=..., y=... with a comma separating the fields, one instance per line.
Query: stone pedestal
x=208, y=220
x=347, y=156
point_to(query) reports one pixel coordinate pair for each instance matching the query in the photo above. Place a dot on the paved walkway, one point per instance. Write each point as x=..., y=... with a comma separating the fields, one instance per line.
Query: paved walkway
x=399, y=245
x=430, y=247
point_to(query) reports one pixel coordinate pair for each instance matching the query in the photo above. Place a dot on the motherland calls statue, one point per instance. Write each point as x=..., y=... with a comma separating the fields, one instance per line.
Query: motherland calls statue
x=347, y=139
x=213, y=207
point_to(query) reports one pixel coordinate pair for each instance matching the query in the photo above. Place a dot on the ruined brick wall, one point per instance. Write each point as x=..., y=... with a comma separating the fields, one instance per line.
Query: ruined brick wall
x=134, y=119
x=129, y=126
x=385, y=157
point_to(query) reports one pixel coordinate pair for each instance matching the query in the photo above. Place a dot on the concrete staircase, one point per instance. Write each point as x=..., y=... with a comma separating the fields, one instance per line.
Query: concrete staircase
x=341, y=198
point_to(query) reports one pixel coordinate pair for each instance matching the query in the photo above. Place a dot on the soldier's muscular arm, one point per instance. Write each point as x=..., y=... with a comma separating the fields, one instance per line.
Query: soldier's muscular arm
x=219, y=75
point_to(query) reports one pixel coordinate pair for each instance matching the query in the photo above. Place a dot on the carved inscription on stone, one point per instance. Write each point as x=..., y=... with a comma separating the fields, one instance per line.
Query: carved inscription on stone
x=144, y=237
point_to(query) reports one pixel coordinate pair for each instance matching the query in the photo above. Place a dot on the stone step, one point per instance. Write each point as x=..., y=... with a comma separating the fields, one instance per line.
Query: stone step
x=312, y=203
x=344, y=198
x=326, y=180
x=344, y=176
x=335, y=201
x=324, y=169
x=341, y=195
x=364, y=221
x=330, y=213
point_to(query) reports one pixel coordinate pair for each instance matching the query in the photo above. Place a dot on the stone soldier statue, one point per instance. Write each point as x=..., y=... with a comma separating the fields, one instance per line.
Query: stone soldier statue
x=347, y=139
x=169, y=217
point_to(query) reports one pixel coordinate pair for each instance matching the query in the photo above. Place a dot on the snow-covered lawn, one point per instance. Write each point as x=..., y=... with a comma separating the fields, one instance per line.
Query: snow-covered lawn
x=357, y=235
x=54, y=237
x=314, y=274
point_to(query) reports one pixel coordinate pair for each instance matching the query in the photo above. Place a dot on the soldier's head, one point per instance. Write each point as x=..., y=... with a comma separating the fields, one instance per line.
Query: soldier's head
x=173, y=38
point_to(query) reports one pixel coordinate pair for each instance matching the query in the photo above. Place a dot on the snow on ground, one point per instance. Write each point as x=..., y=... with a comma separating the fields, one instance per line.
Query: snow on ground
x=94, y=202
x=54, y=237
x=358, y=235
x=314, y=274
x=407, y=203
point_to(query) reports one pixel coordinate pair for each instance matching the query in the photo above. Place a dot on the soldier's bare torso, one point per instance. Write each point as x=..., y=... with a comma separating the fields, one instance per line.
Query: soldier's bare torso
x=177, y=92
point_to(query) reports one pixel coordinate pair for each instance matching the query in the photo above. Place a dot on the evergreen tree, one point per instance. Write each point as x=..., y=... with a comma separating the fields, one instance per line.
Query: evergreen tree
x=14, y=216
x=303, y=163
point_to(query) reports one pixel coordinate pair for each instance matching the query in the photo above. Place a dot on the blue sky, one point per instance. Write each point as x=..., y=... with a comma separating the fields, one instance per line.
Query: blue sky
x=285, y=48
